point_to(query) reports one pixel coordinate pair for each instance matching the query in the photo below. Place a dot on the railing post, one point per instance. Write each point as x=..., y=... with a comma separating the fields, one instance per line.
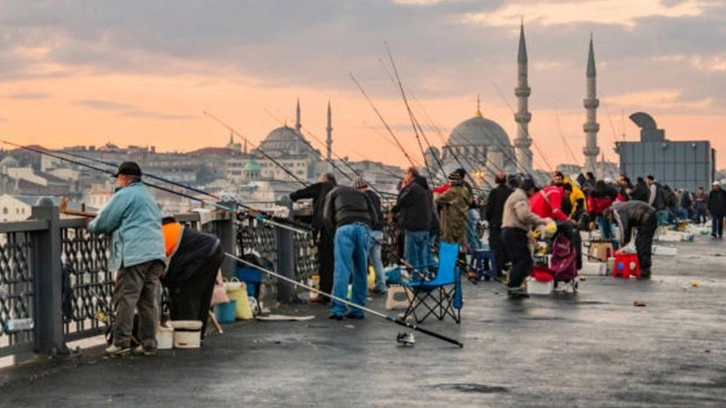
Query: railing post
x=285, y=255
x=227, y=233
x=47, y=281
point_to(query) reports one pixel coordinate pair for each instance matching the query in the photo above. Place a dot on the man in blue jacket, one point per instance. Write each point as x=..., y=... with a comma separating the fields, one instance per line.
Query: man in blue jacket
x=133, y=220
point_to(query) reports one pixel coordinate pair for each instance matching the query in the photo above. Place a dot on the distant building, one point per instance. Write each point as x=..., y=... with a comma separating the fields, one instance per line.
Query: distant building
x=684, y=165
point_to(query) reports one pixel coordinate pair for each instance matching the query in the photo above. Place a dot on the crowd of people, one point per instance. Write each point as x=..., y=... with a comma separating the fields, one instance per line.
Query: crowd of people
x=423, y=214
x=348, y=224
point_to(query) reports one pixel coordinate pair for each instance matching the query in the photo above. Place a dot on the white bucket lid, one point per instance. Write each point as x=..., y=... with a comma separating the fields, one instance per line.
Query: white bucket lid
x=186, y=324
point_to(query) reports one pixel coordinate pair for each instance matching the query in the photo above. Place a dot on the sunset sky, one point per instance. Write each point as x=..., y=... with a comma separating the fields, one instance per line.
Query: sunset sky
x=142, y=71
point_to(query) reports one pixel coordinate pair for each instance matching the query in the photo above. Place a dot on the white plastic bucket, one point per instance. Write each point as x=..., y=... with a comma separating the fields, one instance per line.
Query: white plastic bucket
x=187, y=333
x=165, y=338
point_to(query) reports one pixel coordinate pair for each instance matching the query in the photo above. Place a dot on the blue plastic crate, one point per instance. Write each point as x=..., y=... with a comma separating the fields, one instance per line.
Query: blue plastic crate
x=252, y=277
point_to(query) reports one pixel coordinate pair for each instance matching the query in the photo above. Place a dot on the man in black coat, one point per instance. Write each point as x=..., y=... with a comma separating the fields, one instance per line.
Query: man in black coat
x=321, y=232
x=413, y=209
x=495, y=209
x=194, y=258
x=717, y=208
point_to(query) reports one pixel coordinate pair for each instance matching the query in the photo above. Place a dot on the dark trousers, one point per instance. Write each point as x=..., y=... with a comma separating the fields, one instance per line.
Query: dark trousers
x=517, y=249
x=496, y=244
x=717, y=224
x=326, y=260
x=644, y=241
x=137, y=289
x=191, y=298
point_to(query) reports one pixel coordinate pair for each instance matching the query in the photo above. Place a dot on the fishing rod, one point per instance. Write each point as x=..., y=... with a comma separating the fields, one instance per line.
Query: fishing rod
x=381, y=118
x=392, y=143
x=411, y=117
x=350, y=304
x=564, y=140
x=159, y=178
x=310, y=146
x=259, y=149
x=438, y=132
x=156, y=186
x=330, y=161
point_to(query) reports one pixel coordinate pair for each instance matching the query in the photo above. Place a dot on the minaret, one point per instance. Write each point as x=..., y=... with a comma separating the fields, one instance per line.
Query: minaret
x=298, y=124
x=329, y=140
x=523, y=142
x=591, y=103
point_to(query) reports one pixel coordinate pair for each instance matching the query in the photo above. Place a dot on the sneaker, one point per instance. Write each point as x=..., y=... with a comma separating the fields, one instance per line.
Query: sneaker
x=114, y=350
x=379, y=291
x=352, y=315
x=713, y=235
x=334, y=316
x=140, y=350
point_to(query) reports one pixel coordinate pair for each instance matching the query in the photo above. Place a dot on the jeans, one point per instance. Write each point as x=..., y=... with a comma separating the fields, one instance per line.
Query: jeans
x=472, y=218
x=717, y=224
x=351, y=259
x=374, y=257
x=430, y=262
x=415, y=247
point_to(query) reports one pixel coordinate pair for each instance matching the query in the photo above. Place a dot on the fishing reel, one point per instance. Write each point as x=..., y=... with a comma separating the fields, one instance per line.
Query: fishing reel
x=405, y=339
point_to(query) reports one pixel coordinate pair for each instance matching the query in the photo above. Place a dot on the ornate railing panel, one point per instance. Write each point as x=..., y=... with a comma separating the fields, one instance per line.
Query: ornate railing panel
x=85, y=262
x=16, y=292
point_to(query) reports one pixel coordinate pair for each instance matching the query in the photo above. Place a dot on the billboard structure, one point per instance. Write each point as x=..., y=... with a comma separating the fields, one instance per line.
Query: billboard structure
x=683, y=165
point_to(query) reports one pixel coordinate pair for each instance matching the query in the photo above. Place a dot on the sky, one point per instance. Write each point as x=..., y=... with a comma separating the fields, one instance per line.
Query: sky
x=140, y=72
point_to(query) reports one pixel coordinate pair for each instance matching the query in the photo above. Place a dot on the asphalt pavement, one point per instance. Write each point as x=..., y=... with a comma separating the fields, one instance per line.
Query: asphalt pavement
x=592, y=349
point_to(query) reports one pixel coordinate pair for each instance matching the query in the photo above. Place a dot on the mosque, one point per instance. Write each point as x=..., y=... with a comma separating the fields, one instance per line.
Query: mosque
x=482, y=146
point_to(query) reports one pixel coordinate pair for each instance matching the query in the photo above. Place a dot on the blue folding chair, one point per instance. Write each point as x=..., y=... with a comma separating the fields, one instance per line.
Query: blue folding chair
x=440, y=296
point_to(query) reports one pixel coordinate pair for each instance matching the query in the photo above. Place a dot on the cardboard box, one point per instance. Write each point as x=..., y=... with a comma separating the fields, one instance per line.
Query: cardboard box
x=601, y=251
x=398, y=297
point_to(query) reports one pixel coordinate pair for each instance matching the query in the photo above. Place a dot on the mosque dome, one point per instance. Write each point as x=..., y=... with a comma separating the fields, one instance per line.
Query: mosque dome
x=480, y=146
x=285, y=141
x=9, y=162
x=479, y=132
x=252, y=166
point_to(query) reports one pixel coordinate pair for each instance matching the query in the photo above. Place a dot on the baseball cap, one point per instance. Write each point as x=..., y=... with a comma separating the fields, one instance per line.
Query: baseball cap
x=128, y=169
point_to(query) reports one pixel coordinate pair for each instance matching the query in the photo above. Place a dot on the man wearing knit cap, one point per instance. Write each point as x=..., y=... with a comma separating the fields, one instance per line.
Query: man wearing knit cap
x=374, y=246
x=517, y=220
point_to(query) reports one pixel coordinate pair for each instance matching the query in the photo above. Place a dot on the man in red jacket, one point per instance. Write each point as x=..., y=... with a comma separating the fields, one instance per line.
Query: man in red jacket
x=547, y=203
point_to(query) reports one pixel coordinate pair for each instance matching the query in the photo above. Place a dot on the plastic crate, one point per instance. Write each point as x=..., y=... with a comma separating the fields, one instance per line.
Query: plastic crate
x=252, y=277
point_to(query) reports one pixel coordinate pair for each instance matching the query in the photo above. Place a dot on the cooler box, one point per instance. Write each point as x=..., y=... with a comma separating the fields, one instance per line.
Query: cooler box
x=252, y=277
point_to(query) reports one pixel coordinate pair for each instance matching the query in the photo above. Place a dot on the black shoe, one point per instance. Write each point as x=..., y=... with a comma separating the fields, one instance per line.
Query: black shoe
x=645, y=273
x=334, y=316
x=517, y=293
x=358, y=316
x=713, y=235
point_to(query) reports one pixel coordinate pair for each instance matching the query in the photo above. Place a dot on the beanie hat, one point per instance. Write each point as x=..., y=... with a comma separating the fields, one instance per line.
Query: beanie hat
x=527, y=184
x=358, y=182
x=455, y=176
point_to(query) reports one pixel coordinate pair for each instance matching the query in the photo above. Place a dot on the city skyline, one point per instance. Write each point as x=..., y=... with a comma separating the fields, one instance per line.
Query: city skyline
x=90, y=73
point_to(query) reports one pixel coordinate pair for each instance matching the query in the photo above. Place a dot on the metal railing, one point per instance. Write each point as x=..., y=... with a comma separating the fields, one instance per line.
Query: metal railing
x=55, y=285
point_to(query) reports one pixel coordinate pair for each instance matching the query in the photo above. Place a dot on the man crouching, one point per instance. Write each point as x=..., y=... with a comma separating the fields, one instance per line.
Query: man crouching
x=639, y=215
